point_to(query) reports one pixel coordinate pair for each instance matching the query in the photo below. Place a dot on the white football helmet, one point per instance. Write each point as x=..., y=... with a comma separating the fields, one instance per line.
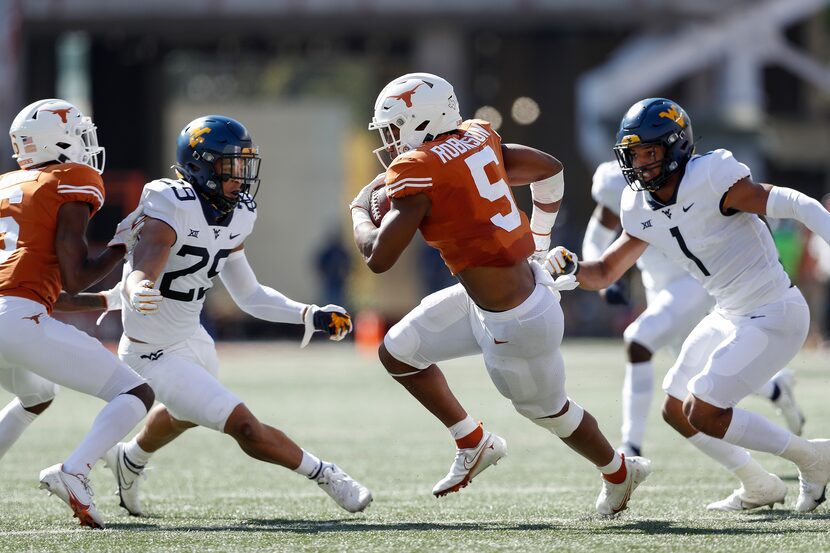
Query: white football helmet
x=55, y=130
x=420, y=106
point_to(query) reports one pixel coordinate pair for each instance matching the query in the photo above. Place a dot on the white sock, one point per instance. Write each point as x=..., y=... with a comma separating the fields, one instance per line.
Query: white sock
x=117, y=418
x=463, y=428
x=730, y=456
x=613, y=466
x=750, y=471
x=135, y=454
x=799, y=451
x=309, y=465
x=752, y=431
x=14, y=420
x=638, y=387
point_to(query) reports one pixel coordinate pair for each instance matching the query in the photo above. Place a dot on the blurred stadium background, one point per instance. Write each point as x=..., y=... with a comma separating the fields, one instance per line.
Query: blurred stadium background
x=303, y=75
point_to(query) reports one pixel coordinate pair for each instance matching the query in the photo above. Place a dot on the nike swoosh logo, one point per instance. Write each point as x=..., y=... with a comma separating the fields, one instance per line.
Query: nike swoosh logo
x=500, y=342
x=475, y=459
x=685, y=209
x=232, y=236
x=757, y=316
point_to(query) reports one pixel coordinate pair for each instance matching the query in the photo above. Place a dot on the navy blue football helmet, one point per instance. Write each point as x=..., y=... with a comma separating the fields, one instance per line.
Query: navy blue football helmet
x=212, y=138
x=654, y=121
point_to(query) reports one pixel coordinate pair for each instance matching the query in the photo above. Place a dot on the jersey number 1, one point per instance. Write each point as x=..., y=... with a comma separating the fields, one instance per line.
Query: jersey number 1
x=675, y=231
x=493, y=190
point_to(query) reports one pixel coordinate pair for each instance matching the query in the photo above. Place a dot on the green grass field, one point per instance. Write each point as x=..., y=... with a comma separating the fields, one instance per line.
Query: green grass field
x=203, y=494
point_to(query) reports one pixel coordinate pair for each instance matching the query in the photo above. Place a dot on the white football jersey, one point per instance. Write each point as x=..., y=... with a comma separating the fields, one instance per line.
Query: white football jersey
x=733, y=255
x=196, y=258
x=607, y=189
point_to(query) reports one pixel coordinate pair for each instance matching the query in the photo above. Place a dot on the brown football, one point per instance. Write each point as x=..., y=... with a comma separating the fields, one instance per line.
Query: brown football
x=379, y=205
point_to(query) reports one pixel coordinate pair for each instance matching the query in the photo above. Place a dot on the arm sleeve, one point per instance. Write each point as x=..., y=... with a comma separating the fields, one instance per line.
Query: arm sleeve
x=255, y=299
x=786, y=203
x=82, y=184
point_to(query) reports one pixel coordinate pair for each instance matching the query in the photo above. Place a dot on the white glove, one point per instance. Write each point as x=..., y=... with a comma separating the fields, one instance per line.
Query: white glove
x=332, y=319
x=112, y=297
x=561, y=261
x=561, y=283
x=126, y=232
x=542, y=242
x=363, y=198
x=145, y=298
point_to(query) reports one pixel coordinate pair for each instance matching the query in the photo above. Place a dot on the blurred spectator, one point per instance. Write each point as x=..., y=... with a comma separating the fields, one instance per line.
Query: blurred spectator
x=333, y=264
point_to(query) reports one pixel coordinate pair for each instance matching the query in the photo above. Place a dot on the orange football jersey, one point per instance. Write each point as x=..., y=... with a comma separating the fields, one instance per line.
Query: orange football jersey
x=29, y=204
x=473, y=221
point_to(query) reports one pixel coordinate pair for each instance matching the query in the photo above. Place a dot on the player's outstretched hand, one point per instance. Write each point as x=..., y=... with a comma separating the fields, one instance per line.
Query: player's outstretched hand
x=561, y=261
x=331, y=319
x=542, y=242
x=145, y=297
x=126, y=233
x=112, y=297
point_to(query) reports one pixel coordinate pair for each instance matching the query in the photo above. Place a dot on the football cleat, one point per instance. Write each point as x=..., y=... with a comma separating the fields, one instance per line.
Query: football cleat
x=127, y=475
x=812, y=480
x=75, y=491
x=613, y=498
x=470, y=462
x=761, y=493
x=785, y=403
x=346, y=492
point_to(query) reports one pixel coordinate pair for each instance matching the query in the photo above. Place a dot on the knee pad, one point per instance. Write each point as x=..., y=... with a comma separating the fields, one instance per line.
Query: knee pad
x=563, y=425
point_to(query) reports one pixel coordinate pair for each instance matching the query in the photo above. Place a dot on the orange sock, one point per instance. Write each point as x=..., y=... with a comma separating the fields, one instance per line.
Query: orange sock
x=472, y=439
x=617, y=477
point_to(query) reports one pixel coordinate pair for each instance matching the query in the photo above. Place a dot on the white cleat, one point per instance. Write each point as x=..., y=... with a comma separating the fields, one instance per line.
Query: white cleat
x=785, y=403
x=813, y=479
x=764, y=493
x=127, y=476
x=470, y=462
x=346, y=492
x=613, y=498
x=75, y=491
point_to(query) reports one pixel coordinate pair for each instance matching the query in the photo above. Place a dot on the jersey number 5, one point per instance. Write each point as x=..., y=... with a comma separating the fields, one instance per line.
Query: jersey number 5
x=493, y=190
x=9, y=231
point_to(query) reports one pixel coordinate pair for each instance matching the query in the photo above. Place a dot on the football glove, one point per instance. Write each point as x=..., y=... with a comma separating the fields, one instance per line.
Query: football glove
x=542, y=242
x=112, y=298
x=561, y=261
x=145, y=298
x=126, y=232
x=364, y=197
x=332, y=319
x=616, y=294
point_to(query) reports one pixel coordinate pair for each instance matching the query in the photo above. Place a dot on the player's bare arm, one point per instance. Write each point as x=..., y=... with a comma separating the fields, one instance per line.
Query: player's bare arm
x=151, y=252
x=617, y=259
x=381, y=247
x=78, y=271
x=526, y=165
x=68, y=303
x=778, y=202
